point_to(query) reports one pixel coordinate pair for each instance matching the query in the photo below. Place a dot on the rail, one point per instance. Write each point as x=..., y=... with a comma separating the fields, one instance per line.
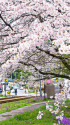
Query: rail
x=10, y=99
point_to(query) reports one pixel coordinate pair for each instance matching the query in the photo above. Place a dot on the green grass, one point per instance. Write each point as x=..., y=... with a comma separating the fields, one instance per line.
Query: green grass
x=68, y=100
x=14, y=105
x=2, y=96
x=29, y=117
x=30, y=91
x=19, y=104
x=66, y=110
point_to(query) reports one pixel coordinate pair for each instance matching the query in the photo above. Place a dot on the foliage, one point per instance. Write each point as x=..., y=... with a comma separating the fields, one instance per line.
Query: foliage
x=21, y=73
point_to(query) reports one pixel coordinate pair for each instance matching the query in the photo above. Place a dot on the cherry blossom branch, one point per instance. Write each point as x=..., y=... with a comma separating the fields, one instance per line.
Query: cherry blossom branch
x=23, y=15
x=6, y=22
x=45, y=73
x=54, y=74
x=56, y=56
x=12, y=43
x=8, y=57
x=48, y=77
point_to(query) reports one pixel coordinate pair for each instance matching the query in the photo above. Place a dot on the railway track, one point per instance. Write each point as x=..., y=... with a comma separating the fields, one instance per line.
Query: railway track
x=10, y=99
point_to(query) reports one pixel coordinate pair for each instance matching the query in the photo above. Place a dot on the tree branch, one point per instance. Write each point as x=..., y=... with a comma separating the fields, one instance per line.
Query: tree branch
x=5, y=22
x=45, y=73
x=54, y=74
x=56, y=56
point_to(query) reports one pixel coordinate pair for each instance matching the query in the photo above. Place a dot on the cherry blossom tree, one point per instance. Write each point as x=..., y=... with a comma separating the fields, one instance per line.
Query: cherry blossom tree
x=26, y=25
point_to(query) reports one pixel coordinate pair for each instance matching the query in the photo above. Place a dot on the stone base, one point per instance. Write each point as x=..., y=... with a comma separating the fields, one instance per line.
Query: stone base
x=50, y=90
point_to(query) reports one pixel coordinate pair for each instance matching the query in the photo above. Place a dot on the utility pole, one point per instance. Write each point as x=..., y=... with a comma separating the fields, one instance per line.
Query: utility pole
x=40, y=89
x=40, y=85
x=5, y=81
x=21, y=75
x=15, y=75
x=44, y=88
x=5, y=87
x=11, y=76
